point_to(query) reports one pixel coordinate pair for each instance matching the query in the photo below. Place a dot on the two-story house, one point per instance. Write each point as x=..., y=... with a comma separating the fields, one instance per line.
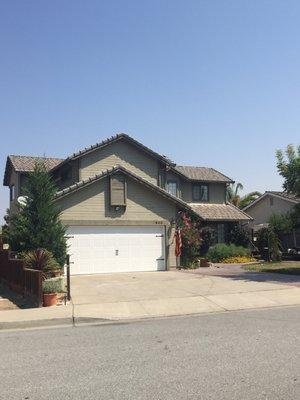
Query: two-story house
x=120, y=201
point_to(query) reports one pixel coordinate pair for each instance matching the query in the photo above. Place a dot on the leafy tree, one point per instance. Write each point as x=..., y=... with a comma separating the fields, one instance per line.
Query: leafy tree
x=288, y=165
x=282, y=222
x=248, y=199
x=37, y=224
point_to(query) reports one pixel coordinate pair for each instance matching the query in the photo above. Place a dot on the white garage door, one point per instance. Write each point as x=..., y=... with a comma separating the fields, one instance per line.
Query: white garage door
x=100, y=249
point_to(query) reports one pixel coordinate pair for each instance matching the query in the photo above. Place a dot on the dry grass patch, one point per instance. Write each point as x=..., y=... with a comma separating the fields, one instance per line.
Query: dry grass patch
x=284, y=267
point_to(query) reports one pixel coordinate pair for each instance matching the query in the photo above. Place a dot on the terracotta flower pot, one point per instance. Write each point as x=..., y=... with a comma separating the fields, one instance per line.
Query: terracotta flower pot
x=49, y=299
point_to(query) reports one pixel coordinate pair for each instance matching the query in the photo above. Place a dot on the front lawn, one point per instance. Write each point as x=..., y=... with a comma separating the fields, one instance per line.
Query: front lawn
x=284, y=267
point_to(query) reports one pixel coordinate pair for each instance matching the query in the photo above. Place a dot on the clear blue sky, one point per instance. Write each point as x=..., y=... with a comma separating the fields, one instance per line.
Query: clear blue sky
x=213, y=83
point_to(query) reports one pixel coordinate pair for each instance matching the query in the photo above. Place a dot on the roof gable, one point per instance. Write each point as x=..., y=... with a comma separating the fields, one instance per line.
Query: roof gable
x=119, y=169
x=26, y=164
x=114, y=139
x=282, y=195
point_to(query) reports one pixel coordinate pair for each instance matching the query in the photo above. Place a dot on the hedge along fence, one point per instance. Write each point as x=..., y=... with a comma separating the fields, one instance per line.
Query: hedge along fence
x=27, y=282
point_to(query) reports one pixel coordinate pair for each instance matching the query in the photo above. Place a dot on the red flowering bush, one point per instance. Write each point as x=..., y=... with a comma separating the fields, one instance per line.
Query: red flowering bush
x=191, y=238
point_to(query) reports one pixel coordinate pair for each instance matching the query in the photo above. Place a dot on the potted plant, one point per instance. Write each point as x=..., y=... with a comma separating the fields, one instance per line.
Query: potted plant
x=42, y=260
x=51, y=287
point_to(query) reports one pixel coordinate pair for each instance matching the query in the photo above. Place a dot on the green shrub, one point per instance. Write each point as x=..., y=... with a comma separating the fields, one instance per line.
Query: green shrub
x=208, y=235
x=282, y=222
x=220, y=251
x=238, y=236
x=54, y=285
x=41, y=260
x=267, y=238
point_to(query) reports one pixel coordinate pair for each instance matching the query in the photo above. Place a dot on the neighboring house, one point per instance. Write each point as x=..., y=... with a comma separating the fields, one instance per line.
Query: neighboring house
x=269, y=203
x=120, y=201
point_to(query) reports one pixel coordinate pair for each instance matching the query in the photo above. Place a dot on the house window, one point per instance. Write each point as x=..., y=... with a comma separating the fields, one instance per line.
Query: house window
x=12, y=193
x=172, y=188
x=221, y=233
x=200, y=192
x=162, y=178
x=271, y=201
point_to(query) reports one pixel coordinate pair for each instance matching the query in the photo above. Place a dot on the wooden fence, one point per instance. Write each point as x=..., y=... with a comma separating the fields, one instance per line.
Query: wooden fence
x=27, y=282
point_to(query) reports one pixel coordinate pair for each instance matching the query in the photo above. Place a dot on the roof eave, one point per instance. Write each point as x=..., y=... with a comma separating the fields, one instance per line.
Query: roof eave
x=269, y=194
x=111, y=140
x=186, y=177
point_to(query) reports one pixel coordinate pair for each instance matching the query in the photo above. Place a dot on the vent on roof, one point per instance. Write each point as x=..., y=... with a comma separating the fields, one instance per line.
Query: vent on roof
x=117, y=191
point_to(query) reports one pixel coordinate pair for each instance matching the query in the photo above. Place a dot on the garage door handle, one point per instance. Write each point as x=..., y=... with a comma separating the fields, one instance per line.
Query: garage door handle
x=160, y=259
x=159, y=235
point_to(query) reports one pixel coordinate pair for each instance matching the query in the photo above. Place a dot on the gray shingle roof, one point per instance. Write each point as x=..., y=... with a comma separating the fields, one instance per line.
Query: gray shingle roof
x=202, y=174
x=27, y=163
x=220, y=212
x=285, y=195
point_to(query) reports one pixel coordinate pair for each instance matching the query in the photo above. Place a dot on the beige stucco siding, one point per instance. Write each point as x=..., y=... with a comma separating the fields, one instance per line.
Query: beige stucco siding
x=262, y=210
x=119, y=153
x=90, y=205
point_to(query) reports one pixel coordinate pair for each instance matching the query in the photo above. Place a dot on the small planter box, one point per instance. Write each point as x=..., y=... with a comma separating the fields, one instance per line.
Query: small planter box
x=204, y=263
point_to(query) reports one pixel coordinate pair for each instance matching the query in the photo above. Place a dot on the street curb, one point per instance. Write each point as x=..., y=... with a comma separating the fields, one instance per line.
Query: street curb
x=36, y=323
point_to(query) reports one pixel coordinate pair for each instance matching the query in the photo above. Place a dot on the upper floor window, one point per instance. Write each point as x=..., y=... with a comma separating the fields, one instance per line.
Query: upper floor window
x=271, y=201
x=200, y=192
x=172, y=187
x=12, y=192
x=161, y=178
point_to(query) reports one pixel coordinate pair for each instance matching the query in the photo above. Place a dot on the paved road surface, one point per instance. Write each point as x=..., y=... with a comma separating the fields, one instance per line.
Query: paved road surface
x=239, y=355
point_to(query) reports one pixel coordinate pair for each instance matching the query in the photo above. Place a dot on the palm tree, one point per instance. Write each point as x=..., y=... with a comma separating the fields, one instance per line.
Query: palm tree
x=232, y=194
x=234, y=198
x=248, y=198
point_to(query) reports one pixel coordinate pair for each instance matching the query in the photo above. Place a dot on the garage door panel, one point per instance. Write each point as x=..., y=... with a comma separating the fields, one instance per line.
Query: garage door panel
x=102, y=249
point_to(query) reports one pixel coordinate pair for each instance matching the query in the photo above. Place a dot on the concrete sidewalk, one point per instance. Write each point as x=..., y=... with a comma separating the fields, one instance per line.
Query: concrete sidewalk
x=36, y=317
x=162, y=294
x=115, y=297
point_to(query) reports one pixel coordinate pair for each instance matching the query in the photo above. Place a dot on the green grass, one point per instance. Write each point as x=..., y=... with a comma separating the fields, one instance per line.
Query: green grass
x=284, y=267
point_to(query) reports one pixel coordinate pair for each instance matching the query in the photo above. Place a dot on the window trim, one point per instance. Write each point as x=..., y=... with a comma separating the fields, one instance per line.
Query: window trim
x=176, y=183
x=200, y=184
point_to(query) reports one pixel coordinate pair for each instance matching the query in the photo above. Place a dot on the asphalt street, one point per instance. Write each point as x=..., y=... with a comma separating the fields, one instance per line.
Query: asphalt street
x=236, y=355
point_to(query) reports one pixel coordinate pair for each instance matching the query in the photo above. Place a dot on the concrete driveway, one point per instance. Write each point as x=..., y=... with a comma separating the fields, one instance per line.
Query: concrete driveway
x=150, y=294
